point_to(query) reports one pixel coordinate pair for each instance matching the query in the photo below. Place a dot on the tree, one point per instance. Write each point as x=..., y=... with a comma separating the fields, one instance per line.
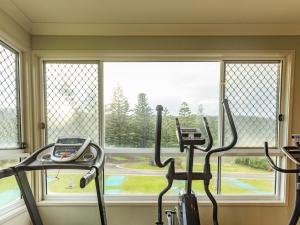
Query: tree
x=185, y=115
x=117, y=119
x=143, y=123
x=168, y=138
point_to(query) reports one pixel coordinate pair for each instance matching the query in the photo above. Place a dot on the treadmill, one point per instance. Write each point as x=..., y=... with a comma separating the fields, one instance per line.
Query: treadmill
x=65, y=153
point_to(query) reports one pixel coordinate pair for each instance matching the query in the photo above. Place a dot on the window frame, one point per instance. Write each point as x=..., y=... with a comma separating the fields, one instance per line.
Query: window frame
x=22, y=98
x=286, y=57
x=19, y=100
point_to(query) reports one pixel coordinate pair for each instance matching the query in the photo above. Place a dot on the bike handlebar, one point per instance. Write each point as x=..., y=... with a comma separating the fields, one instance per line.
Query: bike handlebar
x=210, y=139
x=233, y=132
x=158, y=161
x=274, y=166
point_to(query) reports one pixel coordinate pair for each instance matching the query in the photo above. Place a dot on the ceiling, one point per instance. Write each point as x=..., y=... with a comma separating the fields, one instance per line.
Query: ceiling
x=177, y=17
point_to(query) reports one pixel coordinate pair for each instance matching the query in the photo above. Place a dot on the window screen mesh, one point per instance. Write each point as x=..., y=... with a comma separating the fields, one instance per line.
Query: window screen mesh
x=9, y=104
x=72, y=106
x=252, y=91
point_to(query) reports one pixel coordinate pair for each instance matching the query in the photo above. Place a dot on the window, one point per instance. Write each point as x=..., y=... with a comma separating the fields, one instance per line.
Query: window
x=72, y=109
x=10, y=124
x=76, y=94
x=10, y=128
x=132, y=90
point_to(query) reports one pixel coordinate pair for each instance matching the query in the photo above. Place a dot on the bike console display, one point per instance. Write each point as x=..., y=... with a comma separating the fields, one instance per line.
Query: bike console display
x=188, y=136
x=69, y=149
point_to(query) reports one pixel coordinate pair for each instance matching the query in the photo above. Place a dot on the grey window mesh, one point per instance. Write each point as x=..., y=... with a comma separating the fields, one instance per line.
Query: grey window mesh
x=9, y=100
x=252, y=91
x=72, y=106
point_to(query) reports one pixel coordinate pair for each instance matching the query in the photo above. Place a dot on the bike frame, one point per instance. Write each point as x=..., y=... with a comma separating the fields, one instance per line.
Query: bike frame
x=187, y=211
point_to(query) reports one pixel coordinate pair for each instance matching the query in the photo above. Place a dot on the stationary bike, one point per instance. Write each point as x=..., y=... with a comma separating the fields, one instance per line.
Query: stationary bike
x=186, y=213
x=293, y=153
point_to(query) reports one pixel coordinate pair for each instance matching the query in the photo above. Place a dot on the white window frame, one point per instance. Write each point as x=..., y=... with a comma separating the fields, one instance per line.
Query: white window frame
x=287, y=58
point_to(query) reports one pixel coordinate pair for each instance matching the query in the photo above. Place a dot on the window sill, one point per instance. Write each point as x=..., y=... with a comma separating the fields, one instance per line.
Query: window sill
x=12, y=211
x=132, y=201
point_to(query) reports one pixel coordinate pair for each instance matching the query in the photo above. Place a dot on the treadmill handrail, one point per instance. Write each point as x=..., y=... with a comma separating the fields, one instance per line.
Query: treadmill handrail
x=7, y=172
x=274, y=166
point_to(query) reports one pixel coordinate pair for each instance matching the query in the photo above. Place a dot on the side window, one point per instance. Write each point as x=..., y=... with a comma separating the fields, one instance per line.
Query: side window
x=10, y=127
x=10, y=121
x=72, y=102
x=252, y=89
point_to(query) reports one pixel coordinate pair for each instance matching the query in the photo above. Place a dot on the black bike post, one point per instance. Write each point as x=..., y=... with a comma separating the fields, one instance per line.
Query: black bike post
x=189, y=169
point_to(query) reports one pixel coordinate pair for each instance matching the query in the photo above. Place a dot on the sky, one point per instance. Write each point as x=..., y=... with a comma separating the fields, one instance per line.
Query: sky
x=166, y=83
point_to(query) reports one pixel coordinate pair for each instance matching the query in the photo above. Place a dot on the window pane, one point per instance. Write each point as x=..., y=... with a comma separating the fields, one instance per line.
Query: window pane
x=9, y=189
x=247, y=175
x=67, y=182
x=9, y=112
x=252, y=90
x=132, y=174
x=72, y=106
x=132, y=90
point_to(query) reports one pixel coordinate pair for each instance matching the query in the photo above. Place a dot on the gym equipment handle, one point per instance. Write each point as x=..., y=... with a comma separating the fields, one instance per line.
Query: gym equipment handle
x=158, y=161
x=210, y=139
x=233, y=132
x=88, y=177
x=273, y=165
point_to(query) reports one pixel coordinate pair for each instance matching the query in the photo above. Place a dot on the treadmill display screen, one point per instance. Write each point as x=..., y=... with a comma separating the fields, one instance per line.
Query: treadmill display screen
x=71, y=141
x=65, y=151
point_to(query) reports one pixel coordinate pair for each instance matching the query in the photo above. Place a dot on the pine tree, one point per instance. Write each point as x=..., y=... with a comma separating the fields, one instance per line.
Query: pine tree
x=185, y=115
x=117, y=119
x=168, y=138
x=143, y=123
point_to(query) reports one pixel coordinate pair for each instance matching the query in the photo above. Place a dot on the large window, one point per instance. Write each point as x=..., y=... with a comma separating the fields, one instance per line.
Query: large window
x=116, y=107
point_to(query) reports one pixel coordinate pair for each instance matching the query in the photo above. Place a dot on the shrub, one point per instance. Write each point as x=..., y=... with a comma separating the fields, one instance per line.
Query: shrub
x=253, y=162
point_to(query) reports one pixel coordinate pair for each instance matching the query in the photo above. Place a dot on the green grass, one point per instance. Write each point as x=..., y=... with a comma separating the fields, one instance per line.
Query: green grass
x=227, y=167
x=154, y=184
x=8, y=183
x=263, y=186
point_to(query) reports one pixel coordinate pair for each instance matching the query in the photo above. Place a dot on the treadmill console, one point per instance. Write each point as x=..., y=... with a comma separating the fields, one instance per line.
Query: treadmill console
x=69, y=149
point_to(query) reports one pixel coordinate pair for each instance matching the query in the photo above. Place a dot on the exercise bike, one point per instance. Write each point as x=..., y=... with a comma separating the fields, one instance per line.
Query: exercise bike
x=186, y=213
x=293, y=153
x=65, y=153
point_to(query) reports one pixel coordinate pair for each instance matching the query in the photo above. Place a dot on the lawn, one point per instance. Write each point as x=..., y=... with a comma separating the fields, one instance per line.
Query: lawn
x=226, y=167
x=154, y=184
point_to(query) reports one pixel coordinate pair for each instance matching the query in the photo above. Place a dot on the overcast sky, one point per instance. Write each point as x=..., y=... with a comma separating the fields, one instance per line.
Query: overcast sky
x=166, y=83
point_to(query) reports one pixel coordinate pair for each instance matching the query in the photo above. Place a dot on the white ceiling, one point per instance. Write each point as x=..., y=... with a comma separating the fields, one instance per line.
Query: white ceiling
x=158, y=16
